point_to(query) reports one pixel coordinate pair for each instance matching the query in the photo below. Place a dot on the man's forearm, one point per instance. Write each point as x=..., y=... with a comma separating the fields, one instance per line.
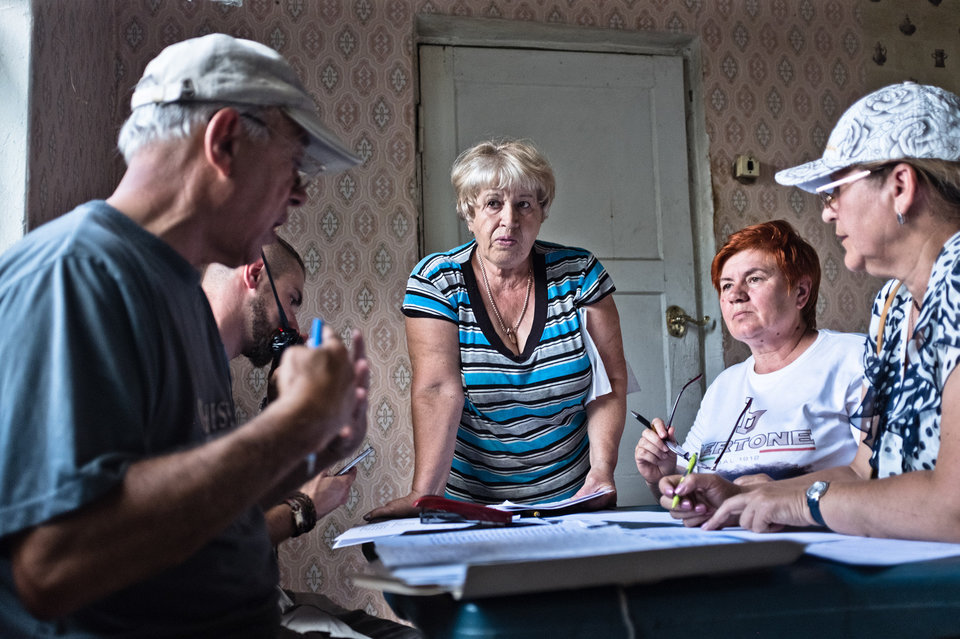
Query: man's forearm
x=164, y=510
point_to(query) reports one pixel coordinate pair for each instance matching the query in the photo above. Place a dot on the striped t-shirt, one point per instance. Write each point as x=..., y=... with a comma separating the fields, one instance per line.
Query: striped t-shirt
x=522, y=433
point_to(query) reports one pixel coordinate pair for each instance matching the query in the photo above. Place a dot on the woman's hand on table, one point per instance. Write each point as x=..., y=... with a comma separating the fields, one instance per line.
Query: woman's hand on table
x=597, y=481
x=768, y=508
x=396, y=509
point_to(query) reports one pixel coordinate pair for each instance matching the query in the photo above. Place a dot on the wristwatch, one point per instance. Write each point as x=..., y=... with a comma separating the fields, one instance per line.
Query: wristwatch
x=816, y=491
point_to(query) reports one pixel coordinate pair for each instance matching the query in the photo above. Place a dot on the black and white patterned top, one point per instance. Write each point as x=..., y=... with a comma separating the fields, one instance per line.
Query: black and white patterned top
x=905, y=382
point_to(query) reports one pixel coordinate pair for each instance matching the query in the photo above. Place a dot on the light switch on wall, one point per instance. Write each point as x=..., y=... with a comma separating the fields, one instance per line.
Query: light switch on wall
x=746, y=167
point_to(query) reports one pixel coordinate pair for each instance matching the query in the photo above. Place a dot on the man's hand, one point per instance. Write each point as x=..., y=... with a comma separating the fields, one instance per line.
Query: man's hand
x=327, y=388
x=329, y=492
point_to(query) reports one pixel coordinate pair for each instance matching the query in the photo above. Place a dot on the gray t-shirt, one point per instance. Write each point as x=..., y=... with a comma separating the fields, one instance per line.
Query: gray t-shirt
x=111, y=355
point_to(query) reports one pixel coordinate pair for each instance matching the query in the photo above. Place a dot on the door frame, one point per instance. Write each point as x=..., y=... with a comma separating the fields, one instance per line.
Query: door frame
x=497, y=33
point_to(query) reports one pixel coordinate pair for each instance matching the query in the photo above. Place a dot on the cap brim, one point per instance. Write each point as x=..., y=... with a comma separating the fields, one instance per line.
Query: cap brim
x=325, y=153
x=807, y=176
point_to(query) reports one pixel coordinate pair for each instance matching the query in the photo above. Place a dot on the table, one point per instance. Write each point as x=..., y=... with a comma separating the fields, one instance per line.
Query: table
x=809, y=598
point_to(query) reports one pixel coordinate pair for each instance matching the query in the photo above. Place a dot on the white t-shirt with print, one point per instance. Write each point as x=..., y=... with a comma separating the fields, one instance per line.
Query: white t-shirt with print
x=799, y=417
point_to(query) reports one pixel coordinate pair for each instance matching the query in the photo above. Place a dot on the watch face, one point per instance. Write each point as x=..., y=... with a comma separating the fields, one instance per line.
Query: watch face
x=816, y=489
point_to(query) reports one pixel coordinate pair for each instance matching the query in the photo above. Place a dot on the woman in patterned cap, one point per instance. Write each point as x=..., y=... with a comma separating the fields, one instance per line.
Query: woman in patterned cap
x=890, y=183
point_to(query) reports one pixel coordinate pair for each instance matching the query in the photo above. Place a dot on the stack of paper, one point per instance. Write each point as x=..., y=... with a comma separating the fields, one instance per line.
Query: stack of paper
x=564, y=552
x=586, y=549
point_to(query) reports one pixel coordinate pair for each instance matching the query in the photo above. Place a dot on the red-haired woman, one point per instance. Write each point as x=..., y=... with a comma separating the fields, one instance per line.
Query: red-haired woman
x=786, y=410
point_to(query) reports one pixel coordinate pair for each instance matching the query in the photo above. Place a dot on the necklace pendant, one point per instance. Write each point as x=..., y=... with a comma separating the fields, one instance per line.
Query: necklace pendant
x=512, y=336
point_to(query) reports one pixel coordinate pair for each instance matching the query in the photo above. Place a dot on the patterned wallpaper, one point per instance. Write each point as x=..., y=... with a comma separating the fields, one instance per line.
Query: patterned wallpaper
x=912, y=40
x=776, y=76
x=74, y=99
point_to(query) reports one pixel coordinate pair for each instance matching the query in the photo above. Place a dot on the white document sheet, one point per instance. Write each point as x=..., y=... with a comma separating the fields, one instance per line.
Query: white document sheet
x=870, y=551
x=556, y=541
x=389, y=528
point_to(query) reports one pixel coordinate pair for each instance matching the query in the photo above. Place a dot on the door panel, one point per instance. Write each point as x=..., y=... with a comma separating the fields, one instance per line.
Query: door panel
x=614, y=129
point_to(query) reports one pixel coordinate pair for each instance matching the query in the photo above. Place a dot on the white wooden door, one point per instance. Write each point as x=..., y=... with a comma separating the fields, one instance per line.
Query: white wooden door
x=613, y=127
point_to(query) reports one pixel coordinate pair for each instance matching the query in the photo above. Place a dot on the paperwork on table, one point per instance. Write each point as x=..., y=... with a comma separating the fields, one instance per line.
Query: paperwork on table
x=378, y=530
x=620, y=546
x=571, y=551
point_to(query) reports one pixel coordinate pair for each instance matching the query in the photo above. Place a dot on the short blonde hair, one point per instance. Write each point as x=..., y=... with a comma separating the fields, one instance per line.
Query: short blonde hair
x=501, y=164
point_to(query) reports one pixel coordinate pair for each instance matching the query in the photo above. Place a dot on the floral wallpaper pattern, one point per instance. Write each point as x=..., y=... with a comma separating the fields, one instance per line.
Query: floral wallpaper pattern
x=912, y=41
x=776, y=75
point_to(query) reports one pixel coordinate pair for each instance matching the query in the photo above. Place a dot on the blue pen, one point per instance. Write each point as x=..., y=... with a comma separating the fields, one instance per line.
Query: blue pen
x=316, y=332
x=316, y=339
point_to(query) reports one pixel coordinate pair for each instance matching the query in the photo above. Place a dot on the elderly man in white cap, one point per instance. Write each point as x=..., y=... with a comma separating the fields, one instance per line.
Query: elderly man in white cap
x=889, y=181
x=128, y=493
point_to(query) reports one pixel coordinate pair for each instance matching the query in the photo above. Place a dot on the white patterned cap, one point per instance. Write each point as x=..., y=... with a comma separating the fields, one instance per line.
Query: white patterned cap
x=221, y=68
x=906, y=120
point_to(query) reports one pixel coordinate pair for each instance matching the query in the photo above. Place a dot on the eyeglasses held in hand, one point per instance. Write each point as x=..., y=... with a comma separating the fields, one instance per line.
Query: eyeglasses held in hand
x=677, y=401
x=673, y=446
x=736, y=425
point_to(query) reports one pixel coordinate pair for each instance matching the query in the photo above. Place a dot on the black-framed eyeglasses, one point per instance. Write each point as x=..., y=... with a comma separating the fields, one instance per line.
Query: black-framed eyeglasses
x=829, y=193
x=677, y=401
x=673, y=446
x=736, y=425
x=285, y=335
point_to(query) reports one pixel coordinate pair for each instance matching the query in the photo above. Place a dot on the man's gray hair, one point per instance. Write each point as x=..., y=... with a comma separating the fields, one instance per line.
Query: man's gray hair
x=158, y=123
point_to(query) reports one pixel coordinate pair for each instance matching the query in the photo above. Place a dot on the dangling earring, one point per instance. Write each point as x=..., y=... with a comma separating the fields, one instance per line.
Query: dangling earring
x=899, y=217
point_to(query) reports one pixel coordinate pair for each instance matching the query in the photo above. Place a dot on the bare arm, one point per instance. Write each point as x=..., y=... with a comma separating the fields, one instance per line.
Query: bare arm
x=436, y=396
x=915, y=505
x=606, y=414
x=168, y=507
x=704, y=494
x=328, y=493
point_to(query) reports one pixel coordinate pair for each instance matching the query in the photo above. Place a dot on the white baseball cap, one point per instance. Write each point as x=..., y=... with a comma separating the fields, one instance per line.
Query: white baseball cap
x=221, y=68
x=899, y=121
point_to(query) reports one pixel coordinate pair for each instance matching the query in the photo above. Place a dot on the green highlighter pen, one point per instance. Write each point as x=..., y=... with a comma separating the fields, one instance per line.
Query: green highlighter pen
x=690, y=465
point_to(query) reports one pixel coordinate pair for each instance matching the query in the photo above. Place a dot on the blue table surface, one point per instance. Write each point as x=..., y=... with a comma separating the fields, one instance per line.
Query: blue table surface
x=809, y=598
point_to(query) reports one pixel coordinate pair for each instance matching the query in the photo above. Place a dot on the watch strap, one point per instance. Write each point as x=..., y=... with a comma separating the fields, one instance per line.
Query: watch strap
x=303, y=511
x=813, y=502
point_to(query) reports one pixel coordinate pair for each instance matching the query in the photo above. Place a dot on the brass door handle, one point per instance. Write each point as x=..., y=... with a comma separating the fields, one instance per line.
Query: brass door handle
x=677, y=320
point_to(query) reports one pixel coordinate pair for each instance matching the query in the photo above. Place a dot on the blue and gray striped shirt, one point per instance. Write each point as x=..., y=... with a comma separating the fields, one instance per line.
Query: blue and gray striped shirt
x=522, y=433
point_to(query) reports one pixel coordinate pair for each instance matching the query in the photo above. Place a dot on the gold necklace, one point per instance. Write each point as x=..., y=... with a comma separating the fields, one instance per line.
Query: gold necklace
x=511, y=333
